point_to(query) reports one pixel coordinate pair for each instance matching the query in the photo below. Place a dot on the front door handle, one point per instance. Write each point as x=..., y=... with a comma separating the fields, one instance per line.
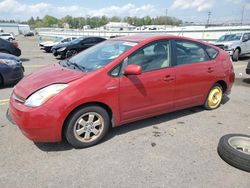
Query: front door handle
x=168, y=78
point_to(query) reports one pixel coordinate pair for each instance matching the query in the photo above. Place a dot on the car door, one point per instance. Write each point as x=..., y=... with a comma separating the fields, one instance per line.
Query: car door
x=151, y=92
x=195, y=73
x=248, y=43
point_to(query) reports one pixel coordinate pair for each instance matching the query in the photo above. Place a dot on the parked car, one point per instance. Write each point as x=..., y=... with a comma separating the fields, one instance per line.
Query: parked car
x=47, y=46
x=69, y=49
x=119, y=81
x=248, y=68
x=9, y=47
x=11, y=69
x=236, y=45
x=7, y=36
x=29, y=34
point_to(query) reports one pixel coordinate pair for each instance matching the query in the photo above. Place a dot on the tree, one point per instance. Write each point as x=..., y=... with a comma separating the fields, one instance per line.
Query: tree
x=49, y=21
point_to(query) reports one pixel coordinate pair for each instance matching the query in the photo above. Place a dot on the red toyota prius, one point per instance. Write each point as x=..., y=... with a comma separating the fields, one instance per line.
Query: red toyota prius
x=119, y=81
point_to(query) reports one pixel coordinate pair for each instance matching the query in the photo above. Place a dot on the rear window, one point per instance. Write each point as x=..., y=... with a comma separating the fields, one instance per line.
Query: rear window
x=211, y=52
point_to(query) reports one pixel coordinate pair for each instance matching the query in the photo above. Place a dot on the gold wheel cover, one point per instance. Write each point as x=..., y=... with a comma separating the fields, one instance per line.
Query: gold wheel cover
x=214, y=97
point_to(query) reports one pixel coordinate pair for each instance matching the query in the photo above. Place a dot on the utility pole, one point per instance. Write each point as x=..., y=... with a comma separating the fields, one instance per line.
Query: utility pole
x=242, y=14
x=208, y=17
x=166, y=16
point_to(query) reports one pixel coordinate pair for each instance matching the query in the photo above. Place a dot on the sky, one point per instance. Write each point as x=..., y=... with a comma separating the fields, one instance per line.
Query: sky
x=223, y=11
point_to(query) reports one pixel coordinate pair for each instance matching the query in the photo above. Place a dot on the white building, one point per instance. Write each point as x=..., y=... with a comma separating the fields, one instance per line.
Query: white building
x=14, y=28
x=119, y=26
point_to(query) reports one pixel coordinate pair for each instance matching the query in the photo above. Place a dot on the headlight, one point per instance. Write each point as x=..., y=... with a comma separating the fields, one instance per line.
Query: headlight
x=9, y=62
x=42, y=95
x=228, y=47
x=61, y=49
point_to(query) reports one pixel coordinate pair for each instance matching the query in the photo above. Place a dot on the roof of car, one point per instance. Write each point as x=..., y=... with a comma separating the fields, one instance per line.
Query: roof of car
x=142, y=37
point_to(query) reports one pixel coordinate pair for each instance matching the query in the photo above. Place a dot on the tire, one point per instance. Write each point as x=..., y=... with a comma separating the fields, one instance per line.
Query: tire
x=1, y=81
x=214, y=97
x=236, y=55
x=70, y=53
x=235, y=150
x=87, y=126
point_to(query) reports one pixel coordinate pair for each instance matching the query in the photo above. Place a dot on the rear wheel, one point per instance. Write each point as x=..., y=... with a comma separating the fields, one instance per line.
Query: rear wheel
x=87, y=126
x=214, y=97
x=236, y=55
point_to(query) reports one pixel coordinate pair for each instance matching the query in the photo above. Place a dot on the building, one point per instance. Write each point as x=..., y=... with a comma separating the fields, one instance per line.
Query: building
x=119, y=26
x=14, y=28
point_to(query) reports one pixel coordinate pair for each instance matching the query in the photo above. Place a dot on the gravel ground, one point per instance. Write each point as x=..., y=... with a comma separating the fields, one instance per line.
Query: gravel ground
x=171, y=150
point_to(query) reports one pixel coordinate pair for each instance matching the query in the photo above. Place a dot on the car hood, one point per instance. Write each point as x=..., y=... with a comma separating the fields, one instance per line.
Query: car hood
x=9, y=56
x=227, y=43
x=45, y=77
x=46, y=42
x=50, y=44
x=61, y=45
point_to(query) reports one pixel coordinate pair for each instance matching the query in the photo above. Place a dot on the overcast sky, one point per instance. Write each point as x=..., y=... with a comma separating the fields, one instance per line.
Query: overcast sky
x=187, y=10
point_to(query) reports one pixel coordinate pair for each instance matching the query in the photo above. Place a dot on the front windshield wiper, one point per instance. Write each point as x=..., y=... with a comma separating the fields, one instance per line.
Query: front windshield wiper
x=68, y=62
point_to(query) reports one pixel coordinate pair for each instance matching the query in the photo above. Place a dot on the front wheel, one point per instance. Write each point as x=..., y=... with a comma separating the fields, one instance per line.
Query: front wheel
x=236, y=55
x=87, y=126
x=70, y=53
x=214, y=97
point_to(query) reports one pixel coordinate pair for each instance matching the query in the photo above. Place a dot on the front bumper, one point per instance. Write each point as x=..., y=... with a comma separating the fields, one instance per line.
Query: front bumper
x=230, y=52
x=38, y=124
x=13, y=74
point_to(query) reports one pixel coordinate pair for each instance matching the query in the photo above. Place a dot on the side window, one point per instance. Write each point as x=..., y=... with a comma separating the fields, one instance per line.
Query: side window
x=245, y=36
x=115, y=72
x=87, y=41
x=189, y=52
x=211, y=52
x=153, y=56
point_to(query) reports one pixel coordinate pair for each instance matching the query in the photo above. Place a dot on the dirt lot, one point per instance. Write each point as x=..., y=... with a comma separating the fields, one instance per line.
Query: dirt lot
x=172, y=150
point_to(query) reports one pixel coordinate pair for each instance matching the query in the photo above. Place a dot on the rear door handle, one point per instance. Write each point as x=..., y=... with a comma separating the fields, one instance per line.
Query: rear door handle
x=168, y=78
x=210, y=69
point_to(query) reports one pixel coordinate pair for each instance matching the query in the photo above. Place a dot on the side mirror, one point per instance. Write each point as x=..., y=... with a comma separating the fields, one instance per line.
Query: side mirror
x=132, y=69
x=245, y=39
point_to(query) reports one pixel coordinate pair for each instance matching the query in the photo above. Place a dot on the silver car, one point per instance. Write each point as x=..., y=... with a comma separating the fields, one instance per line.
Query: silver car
x=236, y=44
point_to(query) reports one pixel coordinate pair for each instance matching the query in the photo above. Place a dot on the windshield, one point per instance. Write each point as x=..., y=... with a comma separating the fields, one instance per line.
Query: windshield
x=98, y=56
x=231, y=37
x=58, y=39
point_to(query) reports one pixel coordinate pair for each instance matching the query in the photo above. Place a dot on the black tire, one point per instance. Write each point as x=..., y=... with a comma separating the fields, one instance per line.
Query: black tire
x=206, y=105
x=78, y=141
x=236, y=55
x=1, y=81
x=70, y=53
x=233, y=156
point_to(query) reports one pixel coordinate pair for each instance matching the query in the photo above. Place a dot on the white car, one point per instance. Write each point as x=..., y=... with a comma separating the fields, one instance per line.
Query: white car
x=7, y=36
x=236, y=44
x=47, y=45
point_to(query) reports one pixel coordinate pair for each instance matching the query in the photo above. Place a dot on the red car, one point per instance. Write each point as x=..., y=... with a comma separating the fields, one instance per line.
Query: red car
x=119, y=81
